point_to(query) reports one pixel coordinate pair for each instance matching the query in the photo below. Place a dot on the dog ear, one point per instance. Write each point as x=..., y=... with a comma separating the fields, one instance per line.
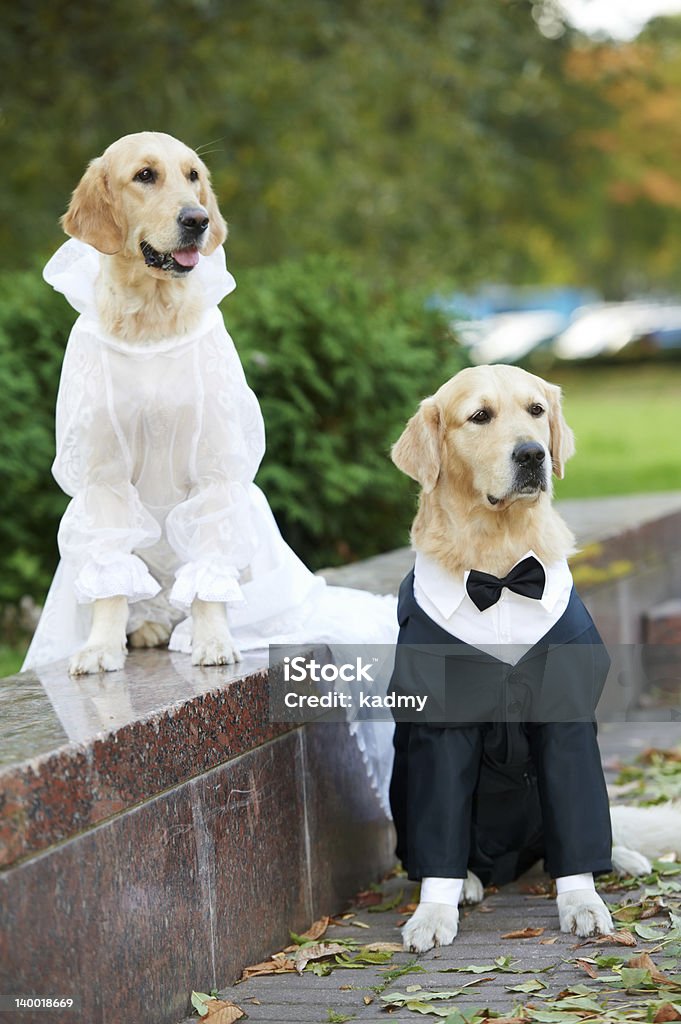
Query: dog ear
x=218, y=227
x=417, y=451
x=562, y=444
x=91, y=216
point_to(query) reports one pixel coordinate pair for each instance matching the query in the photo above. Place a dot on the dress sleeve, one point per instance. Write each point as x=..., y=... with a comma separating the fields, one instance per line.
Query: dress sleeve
x=213, y=530
x=105, y=519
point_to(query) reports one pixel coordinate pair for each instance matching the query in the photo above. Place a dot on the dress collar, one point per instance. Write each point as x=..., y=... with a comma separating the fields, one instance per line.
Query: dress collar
x=75, y=265
x=447, y=591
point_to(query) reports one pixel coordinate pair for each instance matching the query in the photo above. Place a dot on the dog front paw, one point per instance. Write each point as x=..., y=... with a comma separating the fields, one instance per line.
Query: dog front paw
x=215, y=651
x=473, y=890
x=431, y=924
x=583, y=912
x=97, y=658
x=149, y=634
x=630, y=862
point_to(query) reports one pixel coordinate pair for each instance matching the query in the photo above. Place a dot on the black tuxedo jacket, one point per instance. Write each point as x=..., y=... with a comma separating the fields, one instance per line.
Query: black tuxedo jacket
x=538, y=788
x=560, y=679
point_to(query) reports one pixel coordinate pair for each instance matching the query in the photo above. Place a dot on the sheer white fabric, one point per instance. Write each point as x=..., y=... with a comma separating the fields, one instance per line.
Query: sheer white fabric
x=157, y=445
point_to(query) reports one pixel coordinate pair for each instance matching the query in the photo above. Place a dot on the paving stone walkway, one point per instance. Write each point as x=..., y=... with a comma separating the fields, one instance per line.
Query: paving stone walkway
x=354, y=995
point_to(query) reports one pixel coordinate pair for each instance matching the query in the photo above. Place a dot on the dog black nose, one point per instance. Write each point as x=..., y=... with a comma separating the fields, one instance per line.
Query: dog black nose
x=529, y=454
x=193, y=219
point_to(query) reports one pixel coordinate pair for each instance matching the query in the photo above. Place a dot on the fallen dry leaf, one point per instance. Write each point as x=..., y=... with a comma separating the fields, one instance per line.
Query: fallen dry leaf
x=278, y=964
x=504, y=1020
x=540, y=889
x=652, y=753
x=618, y=938
x=644, y=960
x=368, y=1000
x=548, y=942
x=384, y=947
x=220, y=1011
x=524, y=933
x=316, y=930
x=652, y=910
x=587, y=968
x=346, y=921
x=666, y=1012
x=318, y=952
x=407, y=908
x=368, y=898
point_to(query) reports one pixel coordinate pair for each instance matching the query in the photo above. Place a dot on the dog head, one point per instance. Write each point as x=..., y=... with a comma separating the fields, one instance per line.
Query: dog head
x=149, y=198
x=492, y=433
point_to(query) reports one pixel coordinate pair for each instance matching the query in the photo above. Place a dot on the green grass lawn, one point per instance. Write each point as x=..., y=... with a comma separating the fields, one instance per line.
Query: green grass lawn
x=627, y=424
x=11, y=659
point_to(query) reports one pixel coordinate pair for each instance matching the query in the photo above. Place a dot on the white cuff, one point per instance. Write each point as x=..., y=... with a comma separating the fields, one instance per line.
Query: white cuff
x=442, y=890
x=568, y=883
x=208, y=580
x=122, y=576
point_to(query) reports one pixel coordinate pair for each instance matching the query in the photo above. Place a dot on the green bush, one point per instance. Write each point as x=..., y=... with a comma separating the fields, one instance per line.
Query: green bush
x=34, y=325
x=338, y=365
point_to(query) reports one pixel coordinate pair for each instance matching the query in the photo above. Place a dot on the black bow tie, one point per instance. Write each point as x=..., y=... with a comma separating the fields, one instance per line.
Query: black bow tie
x=526, y=578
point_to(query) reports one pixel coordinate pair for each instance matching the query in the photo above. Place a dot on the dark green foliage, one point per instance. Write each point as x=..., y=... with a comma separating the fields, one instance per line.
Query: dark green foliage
x=338, y=365
x=34, y=326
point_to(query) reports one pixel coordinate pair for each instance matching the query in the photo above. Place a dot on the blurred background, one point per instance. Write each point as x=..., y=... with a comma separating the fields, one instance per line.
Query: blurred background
x=411, y=186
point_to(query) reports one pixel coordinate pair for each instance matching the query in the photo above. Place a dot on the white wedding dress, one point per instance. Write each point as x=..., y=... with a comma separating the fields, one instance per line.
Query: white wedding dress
x=157, y=445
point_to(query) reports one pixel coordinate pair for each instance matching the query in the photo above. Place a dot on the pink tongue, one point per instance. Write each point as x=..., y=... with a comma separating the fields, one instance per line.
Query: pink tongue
x=186, y=257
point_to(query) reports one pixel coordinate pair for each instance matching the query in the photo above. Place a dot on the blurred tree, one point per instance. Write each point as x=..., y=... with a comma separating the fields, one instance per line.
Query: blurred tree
x=634, y=206
x=34, y=325
x=432, y=139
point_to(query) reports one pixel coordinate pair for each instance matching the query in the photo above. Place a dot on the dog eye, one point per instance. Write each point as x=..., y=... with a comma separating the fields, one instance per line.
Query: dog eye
x=146, y=176
x=536, y=410
x=481, y=416
x=193, y=175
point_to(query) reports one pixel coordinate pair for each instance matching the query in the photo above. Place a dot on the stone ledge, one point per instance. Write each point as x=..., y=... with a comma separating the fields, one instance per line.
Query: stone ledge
x=181, y=891
x=78, y=751
x=158, y=832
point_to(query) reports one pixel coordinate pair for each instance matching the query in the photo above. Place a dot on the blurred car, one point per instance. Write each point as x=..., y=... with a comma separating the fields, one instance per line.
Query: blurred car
x=606, y=328
x=505, y=323
x=509, y=337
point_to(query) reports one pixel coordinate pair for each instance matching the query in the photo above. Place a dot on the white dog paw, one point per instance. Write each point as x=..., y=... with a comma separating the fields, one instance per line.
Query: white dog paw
x=583, y=912
x=630, y=862
x=473, y=890
x=431, y=924
x=215, y=651
x=149, y=634
x=97, y=658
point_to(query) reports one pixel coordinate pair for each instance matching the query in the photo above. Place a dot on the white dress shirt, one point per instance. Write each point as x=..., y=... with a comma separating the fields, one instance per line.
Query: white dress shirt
x=506, y=630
